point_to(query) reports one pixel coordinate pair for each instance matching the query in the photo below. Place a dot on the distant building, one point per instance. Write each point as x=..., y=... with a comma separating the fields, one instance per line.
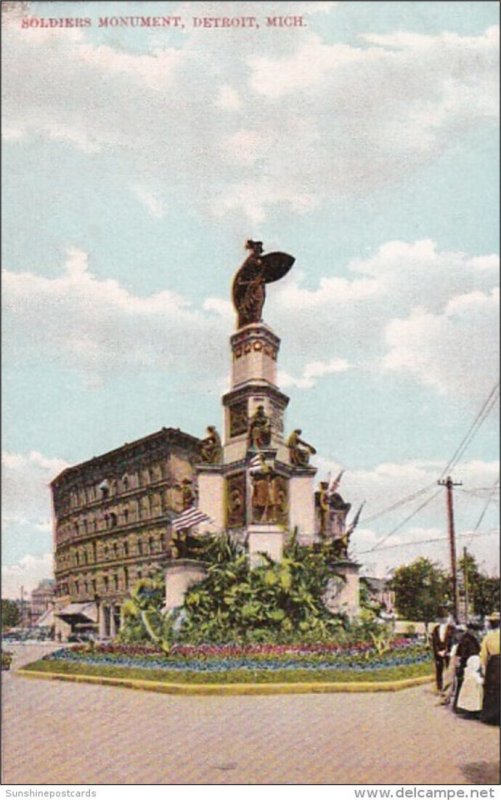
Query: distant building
x=42, y=599
x=112, y=525
x=24, y=607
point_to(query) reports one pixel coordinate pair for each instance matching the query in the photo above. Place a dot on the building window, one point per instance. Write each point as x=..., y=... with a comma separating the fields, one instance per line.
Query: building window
x=113, y=519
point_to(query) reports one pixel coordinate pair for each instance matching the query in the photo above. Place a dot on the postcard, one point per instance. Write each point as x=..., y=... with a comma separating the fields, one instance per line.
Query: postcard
x=250, y=467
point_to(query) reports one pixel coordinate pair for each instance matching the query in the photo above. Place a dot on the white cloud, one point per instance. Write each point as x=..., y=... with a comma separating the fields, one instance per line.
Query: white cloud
x=393, y=103
x=431, y=314
x=25, y=488
x=409, y=308
x=311, y=373
x=451, y=350
x=27, y=573
x=105, y=329
x=151, y=200
x=228, y=98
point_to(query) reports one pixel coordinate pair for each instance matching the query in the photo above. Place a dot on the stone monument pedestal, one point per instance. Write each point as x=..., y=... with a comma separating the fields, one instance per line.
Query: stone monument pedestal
x=181, y=575
x=343, y=591
x=267, y=539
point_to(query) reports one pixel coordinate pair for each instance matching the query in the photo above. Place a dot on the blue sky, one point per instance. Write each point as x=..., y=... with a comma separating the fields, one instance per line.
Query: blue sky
x=136, y=164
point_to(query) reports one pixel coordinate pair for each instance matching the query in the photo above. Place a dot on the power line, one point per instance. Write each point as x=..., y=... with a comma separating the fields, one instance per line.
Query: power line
x=412, y=514
x=484, y=412
x=429, y=541
x=487, y=503
x=398, y=503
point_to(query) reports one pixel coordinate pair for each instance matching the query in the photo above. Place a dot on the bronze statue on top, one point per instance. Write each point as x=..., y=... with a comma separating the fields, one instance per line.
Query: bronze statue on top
x=249, y=291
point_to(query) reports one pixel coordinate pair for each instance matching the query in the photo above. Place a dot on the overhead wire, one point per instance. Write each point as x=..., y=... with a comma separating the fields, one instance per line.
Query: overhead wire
x=481, y=416
x=410, y=516
x=486, y=506
x=429, y=541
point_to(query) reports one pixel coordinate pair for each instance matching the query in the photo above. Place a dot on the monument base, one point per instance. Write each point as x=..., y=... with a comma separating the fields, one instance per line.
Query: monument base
x=342, y=595
x=267, y=539
x=181, y=575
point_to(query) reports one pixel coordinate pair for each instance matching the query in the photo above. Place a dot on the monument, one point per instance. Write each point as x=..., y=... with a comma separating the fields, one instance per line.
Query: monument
x=256, y=491
x=254, y=482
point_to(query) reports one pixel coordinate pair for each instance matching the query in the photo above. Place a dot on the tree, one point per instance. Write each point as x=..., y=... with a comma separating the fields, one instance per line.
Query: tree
x=483, y=591
x=10, y=614
x=422, y=590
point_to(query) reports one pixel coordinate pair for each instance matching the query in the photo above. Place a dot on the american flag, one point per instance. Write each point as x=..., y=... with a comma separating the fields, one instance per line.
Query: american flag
x=256, y=462
x=192, y=516
x=354, y=524
x=335, y=483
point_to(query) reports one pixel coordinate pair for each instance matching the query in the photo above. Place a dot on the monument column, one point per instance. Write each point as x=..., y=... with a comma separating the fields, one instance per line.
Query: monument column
x=253, y=490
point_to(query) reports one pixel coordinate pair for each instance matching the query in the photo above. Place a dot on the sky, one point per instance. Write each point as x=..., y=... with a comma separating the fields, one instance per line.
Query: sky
x=362, y=140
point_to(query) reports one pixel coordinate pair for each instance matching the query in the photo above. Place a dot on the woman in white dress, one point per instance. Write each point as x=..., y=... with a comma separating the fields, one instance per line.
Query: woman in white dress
x=472, y=690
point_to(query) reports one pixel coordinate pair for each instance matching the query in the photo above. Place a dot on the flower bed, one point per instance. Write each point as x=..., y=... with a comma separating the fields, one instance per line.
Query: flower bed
x=259, y=658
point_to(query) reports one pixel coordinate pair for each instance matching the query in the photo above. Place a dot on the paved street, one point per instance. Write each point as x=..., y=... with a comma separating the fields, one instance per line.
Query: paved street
x=55, y=732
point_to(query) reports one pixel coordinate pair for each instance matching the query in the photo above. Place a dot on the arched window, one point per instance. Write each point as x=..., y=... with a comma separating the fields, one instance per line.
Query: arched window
x=126, y=515
x=113, y=520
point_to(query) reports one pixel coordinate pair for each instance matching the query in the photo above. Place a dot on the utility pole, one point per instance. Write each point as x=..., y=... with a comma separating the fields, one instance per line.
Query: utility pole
x=465, y=577
x=449, y=484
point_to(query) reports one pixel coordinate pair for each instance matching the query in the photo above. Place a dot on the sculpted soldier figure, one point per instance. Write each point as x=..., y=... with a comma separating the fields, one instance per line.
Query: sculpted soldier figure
x=299, y=451
x=210, y=447
x=259, y=429
x=249, y=284
x=264, y=493
x=322, y=504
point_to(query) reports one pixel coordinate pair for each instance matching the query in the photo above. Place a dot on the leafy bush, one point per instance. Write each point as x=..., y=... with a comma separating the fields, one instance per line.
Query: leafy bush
x=274, y=602
x=270, y=603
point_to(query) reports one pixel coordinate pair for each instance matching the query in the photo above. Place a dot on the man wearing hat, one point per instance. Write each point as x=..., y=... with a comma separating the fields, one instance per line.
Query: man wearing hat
x=489, y=658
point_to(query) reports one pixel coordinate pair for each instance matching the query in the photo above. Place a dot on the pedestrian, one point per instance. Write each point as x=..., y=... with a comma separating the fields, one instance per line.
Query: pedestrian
x=441, y=641
x=471, y=695
x=489, y=658
x=468, y=646
x=449, y=678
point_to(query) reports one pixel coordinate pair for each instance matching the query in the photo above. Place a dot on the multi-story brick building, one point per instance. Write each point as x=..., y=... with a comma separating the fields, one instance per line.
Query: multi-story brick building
x=112, y=525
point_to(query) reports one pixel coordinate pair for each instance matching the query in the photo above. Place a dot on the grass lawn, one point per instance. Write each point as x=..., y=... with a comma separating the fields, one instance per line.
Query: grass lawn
x=234, y=676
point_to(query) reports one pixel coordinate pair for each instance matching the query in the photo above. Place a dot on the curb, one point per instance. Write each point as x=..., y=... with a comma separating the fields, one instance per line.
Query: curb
x=233, y=689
